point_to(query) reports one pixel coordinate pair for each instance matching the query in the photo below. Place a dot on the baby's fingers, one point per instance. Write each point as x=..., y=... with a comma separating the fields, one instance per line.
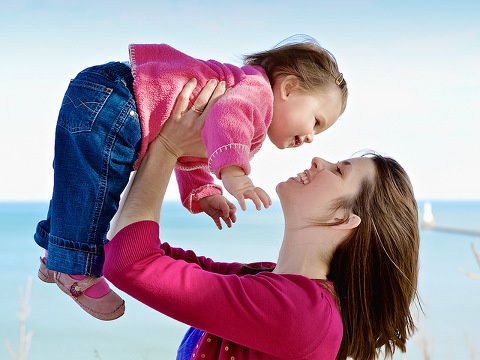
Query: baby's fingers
x=224, y=208
x=252, y=195
x=233, y=209
x=218, y=223
x=264, y=198
x=227, y=221
x=241, y=201
x=229, y=217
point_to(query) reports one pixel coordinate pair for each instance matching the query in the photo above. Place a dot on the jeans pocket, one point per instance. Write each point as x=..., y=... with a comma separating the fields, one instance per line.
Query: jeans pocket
x=81, y=104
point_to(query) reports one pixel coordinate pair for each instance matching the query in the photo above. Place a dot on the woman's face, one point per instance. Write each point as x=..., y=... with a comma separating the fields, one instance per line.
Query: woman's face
x=311, y=193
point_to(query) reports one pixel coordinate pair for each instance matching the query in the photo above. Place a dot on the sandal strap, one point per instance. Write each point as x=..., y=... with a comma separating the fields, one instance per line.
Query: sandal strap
x=88, y=282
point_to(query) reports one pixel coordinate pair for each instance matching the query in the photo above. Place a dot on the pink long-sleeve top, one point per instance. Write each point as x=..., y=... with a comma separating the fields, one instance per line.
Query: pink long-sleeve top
x=235, y=127
x=262, y=316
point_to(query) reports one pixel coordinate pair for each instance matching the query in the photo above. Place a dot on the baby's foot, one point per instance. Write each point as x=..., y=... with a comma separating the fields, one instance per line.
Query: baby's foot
x=92, y=294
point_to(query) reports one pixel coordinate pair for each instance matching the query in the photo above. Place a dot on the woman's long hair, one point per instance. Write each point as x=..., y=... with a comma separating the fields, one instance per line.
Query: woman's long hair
x=375, y=270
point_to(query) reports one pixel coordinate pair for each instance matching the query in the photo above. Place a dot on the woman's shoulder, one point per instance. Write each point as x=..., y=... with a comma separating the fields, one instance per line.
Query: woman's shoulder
x=317, y=293
x=255, y=268
x=314, y=322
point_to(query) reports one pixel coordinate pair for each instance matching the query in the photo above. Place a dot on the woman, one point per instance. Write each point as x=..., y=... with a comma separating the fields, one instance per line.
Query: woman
x=346, y=272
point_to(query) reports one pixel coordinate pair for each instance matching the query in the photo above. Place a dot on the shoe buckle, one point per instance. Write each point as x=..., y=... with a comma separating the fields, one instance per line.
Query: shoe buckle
x=75, y=290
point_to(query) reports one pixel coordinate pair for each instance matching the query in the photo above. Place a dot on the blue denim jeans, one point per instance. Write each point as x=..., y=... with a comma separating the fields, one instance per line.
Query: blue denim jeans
x=97, y=139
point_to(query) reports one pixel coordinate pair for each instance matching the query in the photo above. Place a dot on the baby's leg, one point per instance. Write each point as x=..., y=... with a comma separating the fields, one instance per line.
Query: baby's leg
x=97, y=140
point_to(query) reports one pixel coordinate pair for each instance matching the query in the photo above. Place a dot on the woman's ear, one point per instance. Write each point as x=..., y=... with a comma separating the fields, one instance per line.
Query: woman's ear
x=288, y=84
x=352, y=222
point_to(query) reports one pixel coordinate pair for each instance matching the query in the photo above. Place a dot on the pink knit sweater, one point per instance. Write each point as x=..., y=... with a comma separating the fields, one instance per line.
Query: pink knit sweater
x=262, y=316
x=235, y=127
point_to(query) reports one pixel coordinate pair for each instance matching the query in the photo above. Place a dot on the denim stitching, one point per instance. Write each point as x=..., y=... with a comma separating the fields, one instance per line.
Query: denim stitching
x=82, y=103
x=93, y=251
x=91, y=120
x=122, y=117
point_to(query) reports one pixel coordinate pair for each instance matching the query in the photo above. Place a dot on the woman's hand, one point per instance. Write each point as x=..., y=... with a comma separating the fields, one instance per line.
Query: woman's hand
x=180, y=135
x=182, y=132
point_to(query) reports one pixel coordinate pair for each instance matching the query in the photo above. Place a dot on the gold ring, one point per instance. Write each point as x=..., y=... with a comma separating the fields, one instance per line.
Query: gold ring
x=197, y=110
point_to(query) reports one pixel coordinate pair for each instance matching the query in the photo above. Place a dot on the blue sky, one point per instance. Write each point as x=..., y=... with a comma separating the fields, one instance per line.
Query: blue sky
x=412, y=69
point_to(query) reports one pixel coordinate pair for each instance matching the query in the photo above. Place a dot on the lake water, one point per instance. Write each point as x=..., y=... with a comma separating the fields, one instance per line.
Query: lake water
x=449, y=328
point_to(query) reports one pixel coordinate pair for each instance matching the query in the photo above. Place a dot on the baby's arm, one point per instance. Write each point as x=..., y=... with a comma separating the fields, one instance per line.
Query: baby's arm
x=194, y=185
x=241, y=187
x=234, y=131
x=199, y=193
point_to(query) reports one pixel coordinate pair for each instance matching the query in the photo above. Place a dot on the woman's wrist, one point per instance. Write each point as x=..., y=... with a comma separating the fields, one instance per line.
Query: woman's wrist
x=145, y=197
x=167, y=146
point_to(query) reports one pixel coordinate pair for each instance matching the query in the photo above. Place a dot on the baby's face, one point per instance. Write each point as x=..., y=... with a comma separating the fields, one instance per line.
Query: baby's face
x=298, y=116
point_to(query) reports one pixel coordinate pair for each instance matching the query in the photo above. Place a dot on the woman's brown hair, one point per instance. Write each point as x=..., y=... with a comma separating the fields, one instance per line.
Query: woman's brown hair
x=314, y=67
x=375, y=270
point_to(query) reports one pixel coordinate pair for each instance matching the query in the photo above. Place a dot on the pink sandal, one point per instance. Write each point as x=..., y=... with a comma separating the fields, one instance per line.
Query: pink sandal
x=92, y=294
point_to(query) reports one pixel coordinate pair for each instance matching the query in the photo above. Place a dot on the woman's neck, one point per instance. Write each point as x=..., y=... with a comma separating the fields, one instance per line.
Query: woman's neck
x=305, y=252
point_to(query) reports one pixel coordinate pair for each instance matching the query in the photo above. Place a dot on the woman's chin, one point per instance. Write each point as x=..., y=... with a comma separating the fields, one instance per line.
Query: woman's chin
x=281, y=189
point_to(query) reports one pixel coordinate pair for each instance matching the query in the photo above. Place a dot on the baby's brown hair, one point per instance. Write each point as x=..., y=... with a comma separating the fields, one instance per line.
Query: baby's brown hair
x=314, y=67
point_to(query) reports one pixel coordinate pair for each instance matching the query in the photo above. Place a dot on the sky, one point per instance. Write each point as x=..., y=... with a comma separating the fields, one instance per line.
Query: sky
x=412, y=68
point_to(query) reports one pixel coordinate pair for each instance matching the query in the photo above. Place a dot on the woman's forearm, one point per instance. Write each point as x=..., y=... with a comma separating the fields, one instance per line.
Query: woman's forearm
x=144, y=200
x=180, y=135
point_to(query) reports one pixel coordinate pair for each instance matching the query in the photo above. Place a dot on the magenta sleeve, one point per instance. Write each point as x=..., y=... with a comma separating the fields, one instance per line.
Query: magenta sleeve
x=272, y=313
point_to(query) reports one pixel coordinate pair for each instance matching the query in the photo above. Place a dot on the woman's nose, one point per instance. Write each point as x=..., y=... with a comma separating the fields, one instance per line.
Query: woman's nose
x=318, y=163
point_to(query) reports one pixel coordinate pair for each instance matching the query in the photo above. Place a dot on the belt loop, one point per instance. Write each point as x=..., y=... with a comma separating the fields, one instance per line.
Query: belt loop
x=124, y=74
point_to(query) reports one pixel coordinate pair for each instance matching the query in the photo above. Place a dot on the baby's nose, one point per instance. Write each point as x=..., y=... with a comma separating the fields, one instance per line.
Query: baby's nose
x=308, y=138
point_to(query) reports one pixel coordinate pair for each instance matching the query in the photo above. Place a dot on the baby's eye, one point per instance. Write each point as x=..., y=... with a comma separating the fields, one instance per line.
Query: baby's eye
x=338, y=170
x=317, y=123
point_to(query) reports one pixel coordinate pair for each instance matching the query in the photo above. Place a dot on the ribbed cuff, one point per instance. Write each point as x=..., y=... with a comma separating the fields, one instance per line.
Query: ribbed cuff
x=131, y=244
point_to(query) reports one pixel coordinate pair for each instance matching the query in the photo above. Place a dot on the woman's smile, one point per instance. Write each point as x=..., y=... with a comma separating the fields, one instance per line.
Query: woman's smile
x=303, y=177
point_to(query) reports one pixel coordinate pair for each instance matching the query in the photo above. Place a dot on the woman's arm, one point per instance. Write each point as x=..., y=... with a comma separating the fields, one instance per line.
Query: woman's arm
x=181, y=135
x=268, y=312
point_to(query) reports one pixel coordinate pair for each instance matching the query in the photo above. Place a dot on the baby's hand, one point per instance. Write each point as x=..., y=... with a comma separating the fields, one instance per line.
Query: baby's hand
x=241, y=187
x=217, y=206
